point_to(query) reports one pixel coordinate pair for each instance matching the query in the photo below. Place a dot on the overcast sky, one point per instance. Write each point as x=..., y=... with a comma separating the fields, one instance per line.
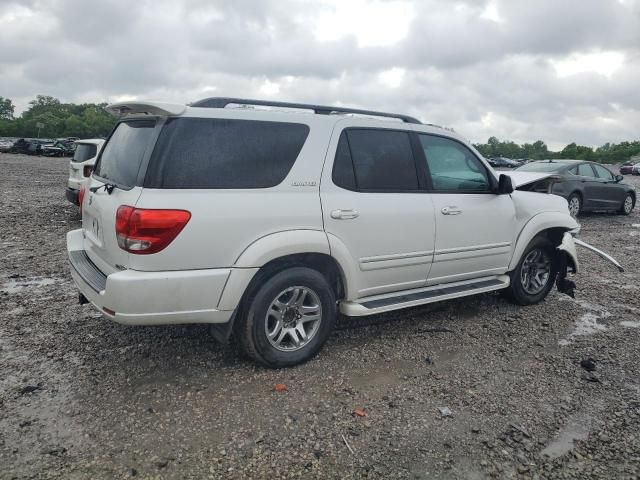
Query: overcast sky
x=556, y=70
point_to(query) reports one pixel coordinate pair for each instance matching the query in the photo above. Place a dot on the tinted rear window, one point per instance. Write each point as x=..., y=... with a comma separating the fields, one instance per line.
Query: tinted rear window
x=222, y=153
x=122, y=155
x=84, y=151
x=382, y=161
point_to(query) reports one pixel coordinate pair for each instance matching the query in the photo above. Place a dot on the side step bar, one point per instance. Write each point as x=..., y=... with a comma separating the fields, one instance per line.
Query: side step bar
x=421, y=296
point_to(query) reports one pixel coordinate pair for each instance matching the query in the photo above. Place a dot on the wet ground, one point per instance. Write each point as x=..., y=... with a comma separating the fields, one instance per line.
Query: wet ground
x=473, y=388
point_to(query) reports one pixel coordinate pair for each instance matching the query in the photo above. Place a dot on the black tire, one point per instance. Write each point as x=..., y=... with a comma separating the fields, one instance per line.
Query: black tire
x=517, y=291
x=577, y=198
x=252, y=327
x=627, y=208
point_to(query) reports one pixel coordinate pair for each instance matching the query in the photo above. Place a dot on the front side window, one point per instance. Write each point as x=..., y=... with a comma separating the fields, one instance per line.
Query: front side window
x=453, y=167
x=585, y=170
x=122, y=155
x=380, y=161
x=224, y=153
x=603, y=172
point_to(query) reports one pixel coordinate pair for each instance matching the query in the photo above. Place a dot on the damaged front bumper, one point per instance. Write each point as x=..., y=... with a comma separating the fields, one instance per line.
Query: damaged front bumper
x=568, y=261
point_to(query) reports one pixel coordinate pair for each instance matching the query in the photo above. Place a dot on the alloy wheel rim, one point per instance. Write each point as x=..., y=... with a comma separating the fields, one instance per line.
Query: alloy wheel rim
x=293, y=318
x=628, y=204
x=574, y=206
x=535, y=271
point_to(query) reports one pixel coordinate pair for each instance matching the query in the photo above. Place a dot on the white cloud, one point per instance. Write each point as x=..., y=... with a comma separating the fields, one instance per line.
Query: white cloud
x=374, y=24
x=603, y=63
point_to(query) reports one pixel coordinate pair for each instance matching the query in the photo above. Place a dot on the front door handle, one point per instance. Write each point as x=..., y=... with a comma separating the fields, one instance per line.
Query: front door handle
x=344, y=214
x=452, y=210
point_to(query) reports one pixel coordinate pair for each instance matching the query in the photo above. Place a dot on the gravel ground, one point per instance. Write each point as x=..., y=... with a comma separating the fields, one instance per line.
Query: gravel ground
x=475, y=388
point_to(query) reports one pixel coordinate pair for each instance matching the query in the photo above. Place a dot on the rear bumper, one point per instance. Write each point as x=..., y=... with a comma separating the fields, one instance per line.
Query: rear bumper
x=156, y=298
x=72, y=195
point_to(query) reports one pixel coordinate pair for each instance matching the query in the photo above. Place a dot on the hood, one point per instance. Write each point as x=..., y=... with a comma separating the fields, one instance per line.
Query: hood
x=520, y=179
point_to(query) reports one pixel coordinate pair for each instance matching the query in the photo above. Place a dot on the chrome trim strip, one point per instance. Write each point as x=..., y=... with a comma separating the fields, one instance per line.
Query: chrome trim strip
x=474, y=247
x=396, y=256
x=606, y=256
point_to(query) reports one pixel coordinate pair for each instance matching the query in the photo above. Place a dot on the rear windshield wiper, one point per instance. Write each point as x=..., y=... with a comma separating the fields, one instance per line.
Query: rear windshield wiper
x=107, y=186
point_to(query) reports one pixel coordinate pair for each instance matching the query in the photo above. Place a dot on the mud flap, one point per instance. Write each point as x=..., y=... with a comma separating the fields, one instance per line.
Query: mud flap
x=222, y=331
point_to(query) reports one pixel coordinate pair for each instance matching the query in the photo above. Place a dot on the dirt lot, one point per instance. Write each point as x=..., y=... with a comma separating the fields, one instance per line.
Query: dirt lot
x=82, y=397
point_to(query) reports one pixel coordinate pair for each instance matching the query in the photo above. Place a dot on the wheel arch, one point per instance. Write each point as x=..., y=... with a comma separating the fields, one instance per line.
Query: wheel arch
x=551, y=224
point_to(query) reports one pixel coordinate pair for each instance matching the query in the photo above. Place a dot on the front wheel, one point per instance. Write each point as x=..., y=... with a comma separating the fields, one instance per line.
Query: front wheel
x=288, y=319
x=533, y=278
x=627, y=205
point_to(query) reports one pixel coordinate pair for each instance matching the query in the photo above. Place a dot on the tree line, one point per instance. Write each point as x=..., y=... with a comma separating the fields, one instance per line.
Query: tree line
x=607, y=153
x=89, y=120
x=57, y=119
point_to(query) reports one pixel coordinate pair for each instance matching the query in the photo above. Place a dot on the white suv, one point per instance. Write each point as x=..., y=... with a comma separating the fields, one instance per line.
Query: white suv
x=266, y=219
x=81, y=166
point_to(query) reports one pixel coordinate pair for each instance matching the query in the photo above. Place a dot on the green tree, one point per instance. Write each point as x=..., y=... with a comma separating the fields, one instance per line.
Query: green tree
x=6, y=108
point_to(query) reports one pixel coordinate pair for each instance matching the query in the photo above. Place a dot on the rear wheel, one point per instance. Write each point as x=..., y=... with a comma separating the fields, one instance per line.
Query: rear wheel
x=627, y=205
x=533, y=278
x=288, y=319
x=575, y=204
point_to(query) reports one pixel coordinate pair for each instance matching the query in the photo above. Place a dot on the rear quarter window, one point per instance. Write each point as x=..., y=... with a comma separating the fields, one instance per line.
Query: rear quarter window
x=224, y=153
x=123, y=153
x=84, y=151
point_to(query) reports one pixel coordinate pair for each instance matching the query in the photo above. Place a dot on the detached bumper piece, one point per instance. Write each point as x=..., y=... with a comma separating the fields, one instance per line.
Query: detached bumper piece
x=606, y=256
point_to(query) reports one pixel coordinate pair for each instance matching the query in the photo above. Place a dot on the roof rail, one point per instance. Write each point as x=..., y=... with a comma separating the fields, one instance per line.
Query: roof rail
x=221, y=102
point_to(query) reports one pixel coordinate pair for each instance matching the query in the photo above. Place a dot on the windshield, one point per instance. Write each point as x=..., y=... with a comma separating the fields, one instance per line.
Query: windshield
x=541, y=167
x=122, y=155
x=84, y=151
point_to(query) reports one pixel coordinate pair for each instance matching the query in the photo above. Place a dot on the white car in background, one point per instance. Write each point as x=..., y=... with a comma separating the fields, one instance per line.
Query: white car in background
x=81, y=166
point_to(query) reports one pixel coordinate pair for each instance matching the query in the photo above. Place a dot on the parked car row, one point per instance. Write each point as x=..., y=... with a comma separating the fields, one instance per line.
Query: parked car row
x=630, y=168
x=61, y=147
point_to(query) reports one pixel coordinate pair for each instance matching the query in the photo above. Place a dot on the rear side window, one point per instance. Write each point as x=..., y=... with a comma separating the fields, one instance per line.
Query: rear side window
x=585, y=170
x=380, y=160
x=84, y=151
x=225, y=154
x=122, y=155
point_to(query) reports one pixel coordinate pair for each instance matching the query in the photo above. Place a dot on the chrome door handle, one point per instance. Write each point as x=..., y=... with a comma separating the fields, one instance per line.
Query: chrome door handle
x=344, y=214
x=451, y=211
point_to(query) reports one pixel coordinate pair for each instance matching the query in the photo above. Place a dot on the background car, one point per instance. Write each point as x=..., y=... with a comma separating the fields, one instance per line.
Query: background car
x=626, y=168
x=81, y=166
x=635, y=170
x=61, y=148
x=587, y=186
x=5, y=146
x=501, y=162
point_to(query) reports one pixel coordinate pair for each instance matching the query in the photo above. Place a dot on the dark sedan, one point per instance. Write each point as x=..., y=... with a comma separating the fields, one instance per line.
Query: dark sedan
x=501, y=162
x=626, y=168
x=587, y=186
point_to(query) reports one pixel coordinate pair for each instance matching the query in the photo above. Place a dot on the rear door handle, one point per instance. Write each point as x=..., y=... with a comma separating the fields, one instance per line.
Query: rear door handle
x=452, y=210
x=344, y=214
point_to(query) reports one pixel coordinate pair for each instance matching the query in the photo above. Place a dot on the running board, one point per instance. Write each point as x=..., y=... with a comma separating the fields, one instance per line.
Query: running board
x=421, y=296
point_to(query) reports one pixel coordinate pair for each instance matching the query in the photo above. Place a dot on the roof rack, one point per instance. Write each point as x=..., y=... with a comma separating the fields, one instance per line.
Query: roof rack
x=221, y=102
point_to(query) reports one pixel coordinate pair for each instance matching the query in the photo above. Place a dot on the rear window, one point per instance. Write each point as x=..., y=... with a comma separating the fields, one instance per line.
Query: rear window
x=122, y=155
x=541, y=167
x=224, y=154
x=84, y=151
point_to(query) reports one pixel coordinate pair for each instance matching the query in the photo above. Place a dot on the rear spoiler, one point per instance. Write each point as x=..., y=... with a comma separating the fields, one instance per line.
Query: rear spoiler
x=120, y=109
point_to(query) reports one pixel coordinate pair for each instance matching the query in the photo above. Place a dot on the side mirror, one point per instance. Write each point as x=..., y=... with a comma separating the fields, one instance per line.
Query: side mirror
x=619, y=178
x=505, y=185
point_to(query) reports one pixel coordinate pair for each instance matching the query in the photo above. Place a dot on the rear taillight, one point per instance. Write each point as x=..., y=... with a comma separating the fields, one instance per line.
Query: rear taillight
x=87, y=170
x=83, y=190
x=143, y=231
